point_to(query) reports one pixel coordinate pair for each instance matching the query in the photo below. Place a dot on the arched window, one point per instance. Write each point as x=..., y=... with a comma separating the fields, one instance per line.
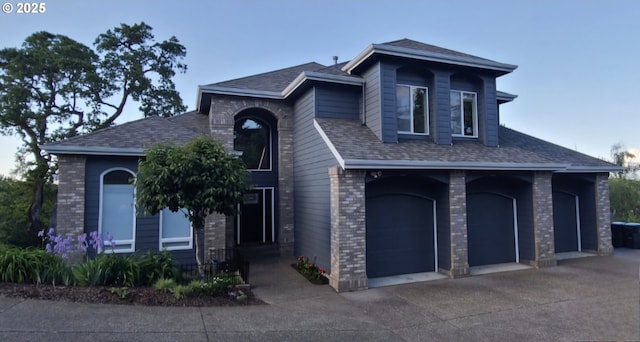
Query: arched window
x=252, y=139
x=117, y=214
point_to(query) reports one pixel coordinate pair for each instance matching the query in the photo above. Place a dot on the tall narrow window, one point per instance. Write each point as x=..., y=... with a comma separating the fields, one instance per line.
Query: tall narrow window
x=464, y=114
x=252, y=139
x=412, y=109
x=175, y=230
x=117, y=211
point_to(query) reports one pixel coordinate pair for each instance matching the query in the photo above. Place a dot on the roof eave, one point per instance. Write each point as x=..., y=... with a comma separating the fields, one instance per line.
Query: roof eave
x=94, y=150
x=501, y=68
x=290, y=89
x=320, y=77
x=592, y=169
x=437, y=165
x=238, y=92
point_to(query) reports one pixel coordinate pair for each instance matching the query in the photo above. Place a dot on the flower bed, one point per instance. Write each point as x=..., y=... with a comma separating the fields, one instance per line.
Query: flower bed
x=311, y=271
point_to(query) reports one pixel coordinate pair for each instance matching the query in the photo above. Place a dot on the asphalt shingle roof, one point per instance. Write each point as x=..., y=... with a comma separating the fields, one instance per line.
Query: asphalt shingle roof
x=275, y=81
x=356, y=142
x=139, y=134
x=412, y=44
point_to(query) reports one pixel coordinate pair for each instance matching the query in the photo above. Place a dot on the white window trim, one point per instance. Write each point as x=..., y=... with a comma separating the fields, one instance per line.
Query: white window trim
x=475, y=114
x=119, y=243
x=411, y=106
x=270, y=139
x=171, y=240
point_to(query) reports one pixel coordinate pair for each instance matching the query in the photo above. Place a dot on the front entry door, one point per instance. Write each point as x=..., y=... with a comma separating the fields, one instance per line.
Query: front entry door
x=255, y=222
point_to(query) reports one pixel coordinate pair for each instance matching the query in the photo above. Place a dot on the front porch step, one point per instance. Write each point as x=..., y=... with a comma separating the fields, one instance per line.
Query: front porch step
x=252, y=253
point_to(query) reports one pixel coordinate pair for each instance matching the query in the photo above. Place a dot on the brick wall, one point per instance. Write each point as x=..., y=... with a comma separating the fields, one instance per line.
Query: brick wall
x=71, y=194
x=458, y=221
x=603, y=214
x=543, y=220
x=348, y=230
x=221, y=121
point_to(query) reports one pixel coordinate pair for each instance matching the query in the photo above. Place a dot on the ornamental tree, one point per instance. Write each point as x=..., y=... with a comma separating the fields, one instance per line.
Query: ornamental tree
x=198, y=178
x=54, y=87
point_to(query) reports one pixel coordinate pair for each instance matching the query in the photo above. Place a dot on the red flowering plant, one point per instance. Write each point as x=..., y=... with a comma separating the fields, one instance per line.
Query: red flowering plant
x=310, y=270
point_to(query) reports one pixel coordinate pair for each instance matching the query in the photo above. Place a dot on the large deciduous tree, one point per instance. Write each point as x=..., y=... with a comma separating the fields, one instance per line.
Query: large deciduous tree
x=198, y=178
x=54, y=87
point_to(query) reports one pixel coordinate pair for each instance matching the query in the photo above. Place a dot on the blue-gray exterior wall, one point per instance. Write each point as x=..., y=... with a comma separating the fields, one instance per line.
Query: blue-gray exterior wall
x=338, y=102
x=373, y=102
x=147, y=226
x=311, y=161
x=441, y=108
x=388, y=97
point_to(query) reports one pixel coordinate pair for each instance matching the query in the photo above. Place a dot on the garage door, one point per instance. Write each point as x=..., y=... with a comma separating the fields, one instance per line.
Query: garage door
x=565, y=222
x=400, y=235
x=490, y=229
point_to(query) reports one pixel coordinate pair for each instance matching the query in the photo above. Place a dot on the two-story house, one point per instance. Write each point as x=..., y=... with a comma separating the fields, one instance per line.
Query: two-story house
x=392, y=163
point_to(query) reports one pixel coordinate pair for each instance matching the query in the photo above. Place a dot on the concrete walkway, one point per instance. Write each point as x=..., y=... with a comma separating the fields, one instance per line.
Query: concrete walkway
x=593, y=298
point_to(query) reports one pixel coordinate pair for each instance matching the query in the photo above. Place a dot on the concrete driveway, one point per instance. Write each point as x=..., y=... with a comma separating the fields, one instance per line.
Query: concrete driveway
x=594, y=298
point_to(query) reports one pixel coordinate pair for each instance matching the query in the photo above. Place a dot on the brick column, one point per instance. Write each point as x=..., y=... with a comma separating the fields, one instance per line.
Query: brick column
x=603, y=214
x=285, y=186
x=545, y=255
x=215, y=234
x=348, y=230
x=71, y=194
x=458, y=222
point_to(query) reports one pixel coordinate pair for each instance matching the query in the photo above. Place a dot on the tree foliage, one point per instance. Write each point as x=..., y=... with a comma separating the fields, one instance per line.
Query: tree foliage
x=625, y=199
x=54, y=87
x=199, y=178
x=15, y=196
x=621, y=157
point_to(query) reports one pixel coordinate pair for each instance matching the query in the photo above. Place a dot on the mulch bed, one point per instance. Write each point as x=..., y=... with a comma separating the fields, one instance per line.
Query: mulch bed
x=134, y=296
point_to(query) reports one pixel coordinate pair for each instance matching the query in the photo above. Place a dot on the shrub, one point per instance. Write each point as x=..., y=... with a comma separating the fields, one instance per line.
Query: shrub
x=154, y=266
x=33, y=266
x=119, y=270
x=108, y=269
x=164, y=285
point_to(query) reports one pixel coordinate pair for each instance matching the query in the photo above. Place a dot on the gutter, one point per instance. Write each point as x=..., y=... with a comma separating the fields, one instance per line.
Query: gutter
x=94, y=150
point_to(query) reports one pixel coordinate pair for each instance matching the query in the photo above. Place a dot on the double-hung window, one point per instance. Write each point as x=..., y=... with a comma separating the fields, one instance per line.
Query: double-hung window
x=412, y=109
x=175, y=230
x=464, y=114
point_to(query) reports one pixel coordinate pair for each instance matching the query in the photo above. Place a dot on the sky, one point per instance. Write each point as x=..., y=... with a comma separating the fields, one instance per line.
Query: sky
x=578, y=62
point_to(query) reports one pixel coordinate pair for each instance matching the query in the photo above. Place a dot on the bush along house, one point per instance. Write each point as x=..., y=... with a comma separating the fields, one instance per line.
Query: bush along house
x=392, y=163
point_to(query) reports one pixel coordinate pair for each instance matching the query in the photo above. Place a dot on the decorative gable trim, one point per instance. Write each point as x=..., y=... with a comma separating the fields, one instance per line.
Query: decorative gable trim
x=431, y=56
x=329, y=144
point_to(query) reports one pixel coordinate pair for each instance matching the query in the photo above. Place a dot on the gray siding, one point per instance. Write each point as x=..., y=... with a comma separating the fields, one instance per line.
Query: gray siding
x=388, y=96
x=147, y=226
x=373, y=104
x=441, y=109
x=338, y=102
x=488, y=105
x=311, y=161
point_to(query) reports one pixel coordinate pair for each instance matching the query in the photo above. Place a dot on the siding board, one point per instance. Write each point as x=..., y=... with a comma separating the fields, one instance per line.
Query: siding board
x=312, y=160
